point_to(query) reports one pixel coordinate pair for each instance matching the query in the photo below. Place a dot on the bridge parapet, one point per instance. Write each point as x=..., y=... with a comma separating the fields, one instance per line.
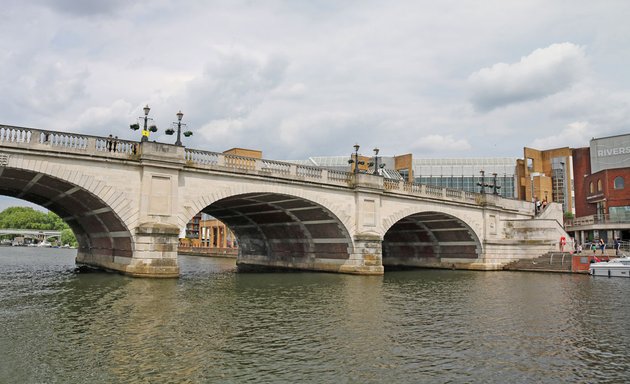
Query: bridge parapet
x=220, y=161
x=44, y=140
x=54, y=141
x=265, y=167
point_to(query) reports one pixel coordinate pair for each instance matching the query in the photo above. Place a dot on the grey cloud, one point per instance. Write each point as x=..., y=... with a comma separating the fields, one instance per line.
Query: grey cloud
x=85, y=7
x=47, y=88
x=234, y=85
x=544, y=72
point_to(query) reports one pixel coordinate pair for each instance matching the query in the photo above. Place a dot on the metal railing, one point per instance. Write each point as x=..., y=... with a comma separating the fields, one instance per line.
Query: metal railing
x=597, y=219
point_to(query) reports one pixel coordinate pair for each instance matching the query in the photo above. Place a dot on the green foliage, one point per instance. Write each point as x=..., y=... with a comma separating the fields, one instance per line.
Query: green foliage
x=568, y=215
x=29, y=218
x=67, y=237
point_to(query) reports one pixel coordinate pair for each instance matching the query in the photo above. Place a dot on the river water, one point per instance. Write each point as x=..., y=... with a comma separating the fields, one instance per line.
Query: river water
x=213, y=325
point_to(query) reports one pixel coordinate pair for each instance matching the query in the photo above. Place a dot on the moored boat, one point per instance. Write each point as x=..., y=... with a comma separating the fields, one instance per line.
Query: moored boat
x=619, y=267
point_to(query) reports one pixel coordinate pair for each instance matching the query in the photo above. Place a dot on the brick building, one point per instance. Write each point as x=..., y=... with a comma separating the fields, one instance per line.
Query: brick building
x=546, y=176
x=602, y=190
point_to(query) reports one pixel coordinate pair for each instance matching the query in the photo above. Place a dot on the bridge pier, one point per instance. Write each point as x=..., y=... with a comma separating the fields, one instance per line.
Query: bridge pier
x=367, y=258
x=155, y=254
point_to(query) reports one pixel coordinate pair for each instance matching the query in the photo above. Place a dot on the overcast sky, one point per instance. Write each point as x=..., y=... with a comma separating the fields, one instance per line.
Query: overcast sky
x=308, y=78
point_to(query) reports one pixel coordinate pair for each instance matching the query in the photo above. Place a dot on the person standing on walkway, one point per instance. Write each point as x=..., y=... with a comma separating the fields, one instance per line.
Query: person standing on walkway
x=602, y=245
x=617, y=246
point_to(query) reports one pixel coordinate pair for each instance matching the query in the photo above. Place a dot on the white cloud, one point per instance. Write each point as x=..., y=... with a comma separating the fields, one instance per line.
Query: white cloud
x=111, y=119
x=574, y=135
x=234, y=84
x=544, y=72
x=440, y=144
x=297, y=80
x=47, y=88
x=221, y=130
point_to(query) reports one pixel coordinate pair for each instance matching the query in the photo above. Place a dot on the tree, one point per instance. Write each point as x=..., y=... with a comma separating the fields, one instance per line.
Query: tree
x=29, y=218
x=67, y=237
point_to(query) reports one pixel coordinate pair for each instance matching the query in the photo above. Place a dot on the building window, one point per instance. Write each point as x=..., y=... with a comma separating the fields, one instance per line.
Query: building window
x=619, y=214
x=590, y=187
x=530, y=164
x=599, y=185
x=618, y=182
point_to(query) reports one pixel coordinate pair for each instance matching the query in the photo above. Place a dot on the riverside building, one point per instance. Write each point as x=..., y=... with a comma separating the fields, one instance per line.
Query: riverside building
x=547, y=176
x=602, y=190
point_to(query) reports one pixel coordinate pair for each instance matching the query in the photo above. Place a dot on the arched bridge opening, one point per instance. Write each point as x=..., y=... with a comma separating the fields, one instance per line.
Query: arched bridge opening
x=430, y=240
x=282, y=231
x=99, y=231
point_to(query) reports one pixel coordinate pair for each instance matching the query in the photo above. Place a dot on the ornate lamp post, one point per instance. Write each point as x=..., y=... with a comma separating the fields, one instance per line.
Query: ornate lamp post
x=375, y=163
x=495, y=186
x=179, y=124
x=482, y=183
x=145, y=129
x=356, y=161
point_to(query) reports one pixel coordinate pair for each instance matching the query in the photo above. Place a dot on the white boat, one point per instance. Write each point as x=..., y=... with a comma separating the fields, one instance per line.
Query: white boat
x=619, y=267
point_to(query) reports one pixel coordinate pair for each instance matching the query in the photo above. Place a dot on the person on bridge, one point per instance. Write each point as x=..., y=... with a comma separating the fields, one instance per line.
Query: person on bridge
x=537, y=204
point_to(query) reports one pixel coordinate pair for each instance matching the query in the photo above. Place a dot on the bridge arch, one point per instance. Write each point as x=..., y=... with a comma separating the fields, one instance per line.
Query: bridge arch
x=99, y=230
x=429, y=238
x=282, y=230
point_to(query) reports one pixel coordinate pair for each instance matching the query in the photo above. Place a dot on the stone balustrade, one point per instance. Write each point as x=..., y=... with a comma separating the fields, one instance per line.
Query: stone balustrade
x=65, y=142
x=44, y=140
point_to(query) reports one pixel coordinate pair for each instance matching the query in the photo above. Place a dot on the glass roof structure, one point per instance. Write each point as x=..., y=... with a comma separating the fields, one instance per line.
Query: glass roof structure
x=504, y=166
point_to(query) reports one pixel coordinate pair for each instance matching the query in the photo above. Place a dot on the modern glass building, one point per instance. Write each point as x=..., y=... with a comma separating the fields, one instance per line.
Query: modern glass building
x=463, y=173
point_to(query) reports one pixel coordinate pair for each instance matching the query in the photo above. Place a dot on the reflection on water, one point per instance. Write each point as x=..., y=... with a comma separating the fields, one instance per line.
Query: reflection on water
x=215, y=325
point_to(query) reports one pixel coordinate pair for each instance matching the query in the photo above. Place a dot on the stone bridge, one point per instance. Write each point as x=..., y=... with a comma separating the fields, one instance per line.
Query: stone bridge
x=127, y=206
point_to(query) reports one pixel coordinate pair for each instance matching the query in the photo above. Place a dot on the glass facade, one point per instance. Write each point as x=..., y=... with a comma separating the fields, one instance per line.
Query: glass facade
x=559, y=188
x=465, y=173
x=620, y=214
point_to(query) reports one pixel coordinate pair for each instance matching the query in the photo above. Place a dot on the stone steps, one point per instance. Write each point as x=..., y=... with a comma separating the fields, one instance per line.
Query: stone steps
x=549, y=262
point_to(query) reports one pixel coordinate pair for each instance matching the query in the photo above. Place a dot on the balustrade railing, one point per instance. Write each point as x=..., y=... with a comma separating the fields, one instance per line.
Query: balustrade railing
x=264, y=166
x=202, y=157
x=454, y=193
x=239, y=162
x=339, y=176
x=276, y=167
x=63, y=141
x=105, y=146
x=391, y=184
x=433, y=190
x=309, y=172
x=14, y=135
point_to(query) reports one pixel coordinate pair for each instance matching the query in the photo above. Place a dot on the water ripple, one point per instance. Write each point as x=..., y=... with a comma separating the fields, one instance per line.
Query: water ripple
x=215, y=325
